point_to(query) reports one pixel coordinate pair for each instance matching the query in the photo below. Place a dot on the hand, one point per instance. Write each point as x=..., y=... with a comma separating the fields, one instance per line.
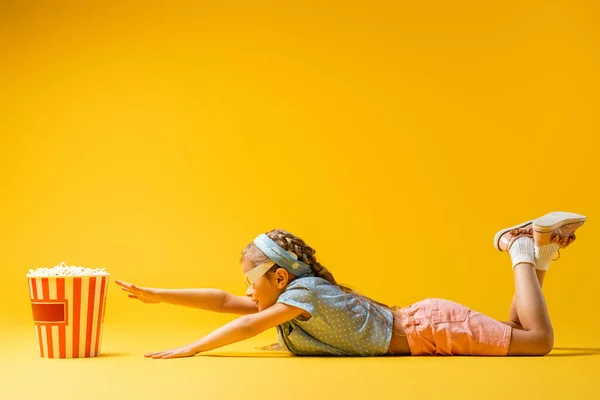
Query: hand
x=185, y=351
x=145, y=295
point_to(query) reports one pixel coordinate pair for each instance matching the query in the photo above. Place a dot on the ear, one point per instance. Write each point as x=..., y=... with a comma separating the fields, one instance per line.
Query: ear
x=282, y=278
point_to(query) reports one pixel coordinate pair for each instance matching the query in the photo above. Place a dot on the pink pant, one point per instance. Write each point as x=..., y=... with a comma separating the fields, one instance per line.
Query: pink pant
x=443, y=327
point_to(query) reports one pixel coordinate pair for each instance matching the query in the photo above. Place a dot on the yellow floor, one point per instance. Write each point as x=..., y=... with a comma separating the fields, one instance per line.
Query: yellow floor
x=239, y=371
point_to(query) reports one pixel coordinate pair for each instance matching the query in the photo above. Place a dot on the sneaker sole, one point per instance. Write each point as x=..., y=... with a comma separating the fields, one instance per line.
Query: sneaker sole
x=555, y=220
x=503, y=231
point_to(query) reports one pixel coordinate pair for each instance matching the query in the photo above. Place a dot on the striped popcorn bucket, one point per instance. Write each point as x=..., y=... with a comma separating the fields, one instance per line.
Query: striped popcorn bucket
x=68, y=313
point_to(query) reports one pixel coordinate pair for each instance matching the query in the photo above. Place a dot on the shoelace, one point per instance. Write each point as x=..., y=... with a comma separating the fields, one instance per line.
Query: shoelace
x=521, y=231
x=562, y=241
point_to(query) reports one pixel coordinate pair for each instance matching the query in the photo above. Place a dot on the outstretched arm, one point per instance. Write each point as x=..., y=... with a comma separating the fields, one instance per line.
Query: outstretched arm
x=237, y=330
x=242, y=305
x=203, y=298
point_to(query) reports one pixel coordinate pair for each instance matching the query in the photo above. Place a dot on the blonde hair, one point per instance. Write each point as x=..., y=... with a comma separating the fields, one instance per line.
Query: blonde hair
x=305, y=253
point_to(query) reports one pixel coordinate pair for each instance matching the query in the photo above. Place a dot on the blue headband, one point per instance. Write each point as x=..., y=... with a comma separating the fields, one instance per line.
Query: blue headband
x=280, y=256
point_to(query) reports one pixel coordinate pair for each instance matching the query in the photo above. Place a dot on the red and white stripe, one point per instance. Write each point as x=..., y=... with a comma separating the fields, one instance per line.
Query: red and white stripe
x=77, y=331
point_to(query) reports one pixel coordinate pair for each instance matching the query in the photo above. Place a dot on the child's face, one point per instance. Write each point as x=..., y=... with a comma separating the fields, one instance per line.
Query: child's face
x=266, y=290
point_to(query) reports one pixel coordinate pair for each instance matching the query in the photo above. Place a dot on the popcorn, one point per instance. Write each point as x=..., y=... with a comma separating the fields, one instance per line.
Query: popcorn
x=64, y=270
x=68, y=304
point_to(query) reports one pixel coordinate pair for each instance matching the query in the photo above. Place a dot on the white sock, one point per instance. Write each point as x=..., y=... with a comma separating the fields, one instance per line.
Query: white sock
x=544, y=254
x=522, y=251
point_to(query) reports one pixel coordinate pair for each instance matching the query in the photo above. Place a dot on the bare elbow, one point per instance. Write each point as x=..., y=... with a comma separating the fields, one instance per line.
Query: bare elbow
x=248, y=326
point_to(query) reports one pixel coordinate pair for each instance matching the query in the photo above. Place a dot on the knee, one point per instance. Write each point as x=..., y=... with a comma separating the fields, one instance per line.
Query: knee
x=548, y=343
x=545, y=343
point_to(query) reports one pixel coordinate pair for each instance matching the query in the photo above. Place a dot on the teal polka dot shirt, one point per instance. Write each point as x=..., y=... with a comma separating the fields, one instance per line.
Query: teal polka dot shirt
x=340, y=324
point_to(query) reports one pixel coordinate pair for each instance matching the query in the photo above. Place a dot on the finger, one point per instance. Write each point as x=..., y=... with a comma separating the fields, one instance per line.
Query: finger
x=159, y=353
x=172, y=354
x=133, y=296
x=129, y=285
x=133, y=288
x=130, y=290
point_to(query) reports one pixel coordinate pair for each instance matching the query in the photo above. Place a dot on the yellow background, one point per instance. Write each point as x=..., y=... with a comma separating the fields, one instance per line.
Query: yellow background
x=157, y=140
